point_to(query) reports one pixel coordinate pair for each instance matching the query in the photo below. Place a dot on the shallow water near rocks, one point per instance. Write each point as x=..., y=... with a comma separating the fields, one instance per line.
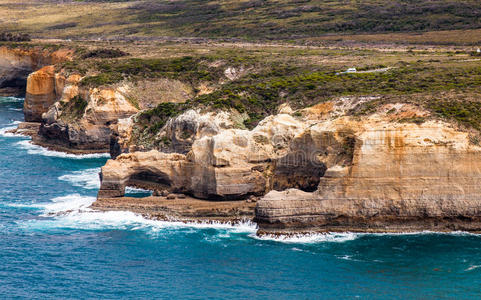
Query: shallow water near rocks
x=53, y=246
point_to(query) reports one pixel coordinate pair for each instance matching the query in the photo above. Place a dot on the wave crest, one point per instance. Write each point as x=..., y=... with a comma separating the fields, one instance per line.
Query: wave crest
x=38, y=150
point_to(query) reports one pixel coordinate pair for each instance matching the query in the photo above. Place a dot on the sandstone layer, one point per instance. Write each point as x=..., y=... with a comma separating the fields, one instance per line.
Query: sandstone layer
x=185, y=209
x=17, y=63
x=318, y=169
x=220, y=163
x=403, y=177
x=41, y=93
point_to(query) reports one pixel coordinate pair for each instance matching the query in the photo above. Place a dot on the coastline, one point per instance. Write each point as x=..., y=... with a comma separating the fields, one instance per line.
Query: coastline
x=182, y=209
x=31, y=129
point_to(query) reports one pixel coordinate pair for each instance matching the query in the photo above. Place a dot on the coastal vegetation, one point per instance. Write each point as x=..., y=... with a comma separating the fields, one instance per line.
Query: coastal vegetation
x=248, y=19
x=14, y=37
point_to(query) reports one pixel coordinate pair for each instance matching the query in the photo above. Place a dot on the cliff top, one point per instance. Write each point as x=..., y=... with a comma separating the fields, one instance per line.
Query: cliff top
x=256, y=78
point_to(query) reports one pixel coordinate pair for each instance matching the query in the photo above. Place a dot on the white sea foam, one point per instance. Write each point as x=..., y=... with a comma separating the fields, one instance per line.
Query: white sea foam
x=74, y=212
x=88, y=178
x=474, y=267
x=73, y=203
x=4, y=131
x=38, y=150
x=310, y=238
x=134, y=190
x=11, y=99
x=340, y=237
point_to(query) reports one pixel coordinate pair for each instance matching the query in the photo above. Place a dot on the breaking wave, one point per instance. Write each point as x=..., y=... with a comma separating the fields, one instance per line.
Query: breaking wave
x=310, y=238
x=4, y=131
x=38, y=150
x=74, y=212
x=88, y=179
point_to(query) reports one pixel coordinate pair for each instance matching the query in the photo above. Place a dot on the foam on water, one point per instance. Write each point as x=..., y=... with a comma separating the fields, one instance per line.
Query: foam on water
x=313, y=238
x=474, y=267
x=10, y=99
x=310, y=238
x=38, y=150
x=134, y=190
x=74, y=212
x=88, y=178
x=4, y=131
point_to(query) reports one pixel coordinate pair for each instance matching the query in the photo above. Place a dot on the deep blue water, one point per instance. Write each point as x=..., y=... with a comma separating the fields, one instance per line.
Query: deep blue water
x=53, y=246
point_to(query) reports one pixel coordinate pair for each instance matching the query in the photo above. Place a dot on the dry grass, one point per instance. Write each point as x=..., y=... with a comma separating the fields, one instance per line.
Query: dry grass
x=149, y=93
x=251, y=19
x=448, y=37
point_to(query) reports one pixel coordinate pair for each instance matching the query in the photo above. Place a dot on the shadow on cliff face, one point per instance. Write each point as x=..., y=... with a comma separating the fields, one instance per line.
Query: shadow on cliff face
x=14, y=83
x=298, y=170
x=309, y=158
x=149, y=180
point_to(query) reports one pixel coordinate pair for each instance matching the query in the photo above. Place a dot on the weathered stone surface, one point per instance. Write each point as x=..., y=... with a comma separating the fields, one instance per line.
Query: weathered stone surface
x=403, y=177
x=231, y=164
x=81, y=119
x=40, y=95
x=17, y=63
x=181, y=132
x=325, y=171
x=185, y=209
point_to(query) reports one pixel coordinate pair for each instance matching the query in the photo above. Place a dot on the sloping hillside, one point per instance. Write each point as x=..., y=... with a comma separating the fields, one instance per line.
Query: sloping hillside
x=252, y=19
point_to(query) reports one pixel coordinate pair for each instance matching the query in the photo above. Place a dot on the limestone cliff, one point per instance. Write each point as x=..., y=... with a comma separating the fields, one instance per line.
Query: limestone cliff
x=321, y=169
x=403, y=177
x=73, y=118
x=222, y=163
x=81, y=118
x=209, y=158
x=17, y=63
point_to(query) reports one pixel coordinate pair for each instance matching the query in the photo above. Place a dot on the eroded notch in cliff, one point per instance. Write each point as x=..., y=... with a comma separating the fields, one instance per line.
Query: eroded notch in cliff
x=310, y=155
x=149, y=180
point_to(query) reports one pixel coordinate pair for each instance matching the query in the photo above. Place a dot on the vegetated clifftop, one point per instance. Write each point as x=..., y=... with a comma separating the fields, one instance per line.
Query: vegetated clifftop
x=229, y=19
x=76, y=107
x=220, y=131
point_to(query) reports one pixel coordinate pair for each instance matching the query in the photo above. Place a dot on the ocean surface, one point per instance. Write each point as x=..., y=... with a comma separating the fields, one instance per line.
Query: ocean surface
x=53, y=246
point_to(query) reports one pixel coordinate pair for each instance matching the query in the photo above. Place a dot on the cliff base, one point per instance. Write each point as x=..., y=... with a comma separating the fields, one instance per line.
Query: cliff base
x=185, y=210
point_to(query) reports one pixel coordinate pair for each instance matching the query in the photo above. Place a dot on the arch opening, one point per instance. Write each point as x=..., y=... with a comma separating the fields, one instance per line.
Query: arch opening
x=145, y=183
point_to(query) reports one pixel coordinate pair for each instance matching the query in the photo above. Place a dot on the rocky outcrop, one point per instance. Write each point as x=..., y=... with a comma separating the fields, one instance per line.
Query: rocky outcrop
x=181, y=208
x=232, y=164
x=41, y=93
x=402, y=177
x=176, y=137
x=324, y=171
x=17, y=63
x=80, y=121
x=321, y=169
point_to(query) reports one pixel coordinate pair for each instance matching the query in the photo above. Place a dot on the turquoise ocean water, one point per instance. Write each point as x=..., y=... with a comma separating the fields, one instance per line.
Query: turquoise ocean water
x=53, y=246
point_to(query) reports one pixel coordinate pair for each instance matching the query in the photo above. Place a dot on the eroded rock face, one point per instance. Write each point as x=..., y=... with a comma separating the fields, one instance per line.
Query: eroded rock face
x=325, y=171
x=16, y=64
x=232, y=164
x=41, y=93
x=81, y=119
x=403, y=177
